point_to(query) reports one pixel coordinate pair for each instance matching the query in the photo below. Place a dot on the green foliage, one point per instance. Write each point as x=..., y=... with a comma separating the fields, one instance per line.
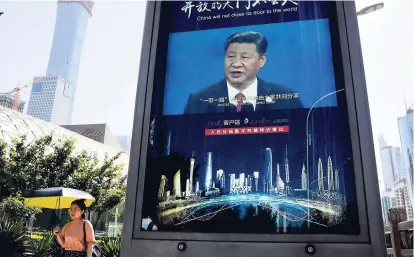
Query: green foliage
x=14, y=207
x=110, y=247
x=13, y=239
x=52, y=162
x=43, y=247
x=105, y=182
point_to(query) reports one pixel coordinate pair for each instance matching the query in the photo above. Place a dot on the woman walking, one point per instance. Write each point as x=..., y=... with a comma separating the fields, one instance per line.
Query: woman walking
x=76, y=237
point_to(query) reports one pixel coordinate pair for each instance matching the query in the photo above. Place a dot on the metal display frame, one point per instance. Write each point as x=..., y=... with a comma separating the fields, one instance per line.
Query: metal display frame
x=370, y=241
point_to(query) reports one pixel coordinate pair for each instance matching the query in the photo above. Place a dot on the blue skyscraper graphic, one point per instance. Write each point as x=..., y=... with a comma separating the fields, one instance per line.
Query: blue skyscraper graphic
x=52, y=96
x=268, y=167
x=209, y=171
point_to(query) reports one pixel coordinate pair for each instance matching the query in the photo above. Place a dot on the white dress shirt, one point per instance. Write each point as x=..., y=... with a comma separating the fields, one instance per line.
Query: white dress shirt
x=250, y=93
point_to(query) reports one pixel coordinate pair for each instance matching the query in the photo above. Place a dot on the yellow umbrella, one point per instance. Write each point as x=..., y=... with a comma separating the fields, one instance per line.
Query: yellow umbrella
x=56, y=198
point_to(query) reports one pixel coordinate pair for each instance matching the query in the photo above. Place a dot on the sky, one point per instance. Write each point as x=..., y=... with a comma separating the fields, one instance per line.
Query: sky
x=107, y=82
x=108, y=71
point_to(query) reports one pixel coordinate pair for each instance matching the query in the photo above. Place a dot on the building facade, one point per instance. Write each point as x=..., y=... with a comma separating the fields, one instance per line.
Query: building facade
x=402, y=198
x=125, y=142
x=387, y=201
x=6, y=100
x=406, y=129
x=52, y=98
x=98, y=132
x=392, y=165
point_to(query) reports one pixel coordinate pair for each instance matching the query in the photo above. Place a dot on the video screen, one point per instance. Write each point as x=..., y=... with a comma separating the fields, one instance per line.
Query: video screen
x=254, y=68
x=249, y=130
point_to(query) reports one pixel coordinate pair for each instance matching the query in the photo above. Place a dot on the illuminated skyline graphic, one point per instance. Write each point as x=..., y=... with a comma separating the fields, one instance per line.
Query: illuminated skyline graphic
x=285, y=204
x=252, y=183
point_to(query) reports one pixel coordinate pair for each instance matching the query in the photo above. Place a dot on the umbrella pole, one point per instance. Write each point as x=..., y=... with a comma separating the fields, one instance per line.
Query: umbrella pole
x=59, y=211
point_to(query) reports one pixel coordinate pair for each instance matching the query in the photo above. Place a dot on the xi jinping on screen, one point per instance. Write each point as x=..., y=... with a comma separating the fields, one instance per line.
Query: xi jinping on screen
x=241, y=89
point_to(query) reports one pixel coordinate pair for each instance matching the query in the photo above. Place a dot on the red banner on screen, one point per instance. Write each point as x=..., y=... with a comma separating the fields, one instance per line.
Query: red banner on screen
x=246, y=131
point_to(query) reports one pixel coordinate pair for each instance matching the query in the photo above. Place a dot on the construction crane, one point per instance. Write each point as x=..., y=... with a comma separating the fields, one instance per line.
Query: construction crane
x=16, y=93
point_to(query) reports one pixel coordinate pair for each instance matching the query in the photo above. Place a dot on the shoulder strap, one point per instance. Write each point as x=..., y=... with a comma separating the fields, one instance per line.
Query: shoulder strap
x=84, y=236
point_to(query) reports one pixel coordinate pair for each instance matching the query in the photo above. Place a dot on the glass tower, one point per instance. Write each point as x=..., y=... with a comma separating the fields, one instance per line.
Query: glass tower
x=51, y=99
x=406, y=128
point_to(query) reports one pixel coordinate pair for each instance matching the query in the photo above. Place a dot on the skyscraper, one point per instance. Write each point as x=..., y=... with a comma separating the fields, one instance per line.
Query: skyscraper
x=197, y=187
x=192, y=160
x=52, y=98
x=331, y=183
x=161, y=190
x=219, y=175
x=304, y=178
x=403, y=198
x=287, y=167
x=209, y=171
x=392, y=165
x=268, y=166
x=168, y=144
x=387, y=201
x=280, y=185
x=241, y=179
x=187, y=187
x=232, y=180
x=337, y=180
x=406, y=129
x=256, y=180
x=320, y=176
x=177, y=184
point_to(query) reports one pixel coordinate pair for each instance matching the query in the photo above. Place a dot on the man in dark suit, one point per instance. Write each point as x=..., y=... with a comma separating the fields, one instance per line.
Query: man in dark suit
x=242, y=90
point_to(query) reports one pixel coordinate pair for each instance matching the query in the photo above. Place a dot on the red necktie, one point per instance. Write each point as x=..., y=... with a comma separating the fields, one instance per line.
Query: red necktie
x=239, y=98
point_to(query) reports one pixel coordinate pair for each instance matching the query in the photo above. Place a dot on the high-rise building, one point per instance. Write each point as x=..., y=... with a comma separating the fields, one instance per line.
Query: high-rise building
x=280, y=185
x=256, y=180
x=52, y=98
x=331, y=184
x=304, y=178
x=223, y=181
x=250, y=181
x=161, y=191
x=287, y=167
x=320, y=176
x=192, y=161
x=403, y=198
x=167, y=150
x=406, y=129
x=268, y=166
x=6, y=100
x=209, y=171
x=387, y=201
x=337, y=180
x=187, y=187
x=232, y=180
x=219, y=175
x=177, y=184
x=241, y=179
x=392, y=165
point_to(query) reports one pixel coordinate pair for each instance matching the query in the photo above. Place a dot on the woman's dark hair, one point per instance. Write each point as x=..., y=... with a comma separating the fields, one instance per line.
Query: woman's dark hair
x=81, y=204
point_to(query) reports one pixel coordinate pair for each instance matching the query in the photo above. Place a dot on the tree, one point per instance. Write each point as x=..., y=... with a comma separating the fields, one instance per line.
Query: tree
x=42, y=163
x=14, y=208
x=49, y=162
x=105, y=182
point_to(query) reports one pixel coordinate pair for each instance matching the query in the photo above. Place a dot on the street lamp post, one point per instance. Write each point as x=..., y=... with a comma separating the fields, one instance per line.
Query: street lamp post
x=370, y=9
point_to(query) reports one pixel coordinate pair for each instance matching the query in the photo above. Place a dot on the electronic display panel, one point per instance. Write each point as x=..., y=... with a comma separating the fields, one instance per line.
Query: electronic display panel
x=249, y=129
